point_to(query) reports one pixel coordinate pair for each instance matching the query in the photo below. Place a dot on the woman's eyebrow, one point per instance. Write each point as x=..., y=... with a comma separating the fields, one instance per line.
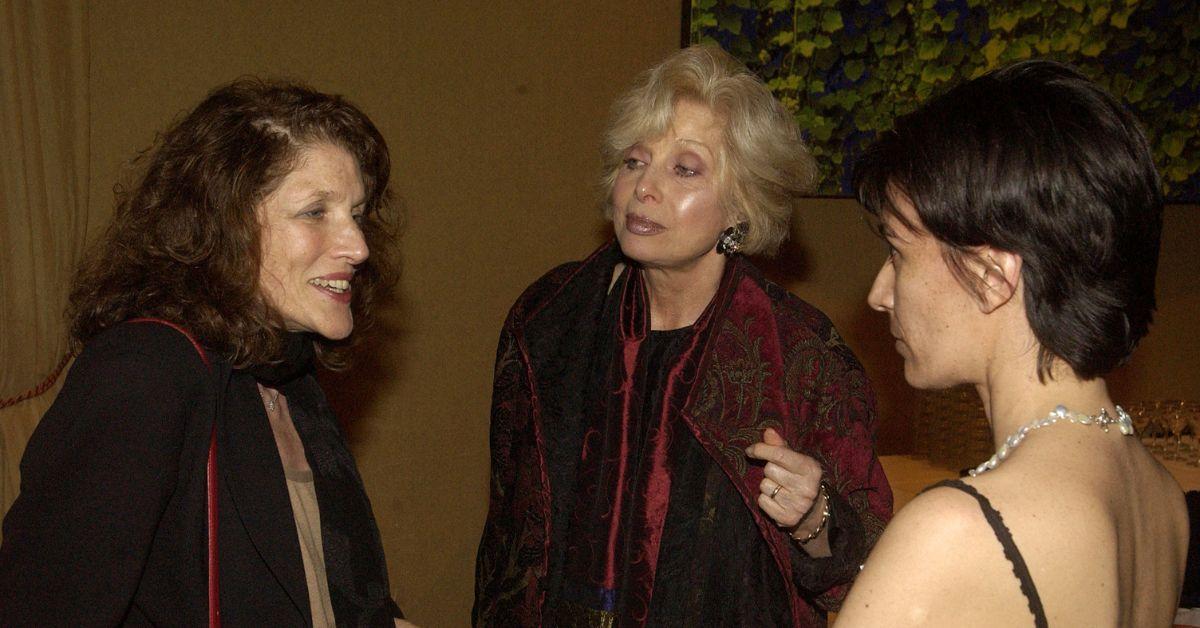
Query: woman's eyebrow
x=692, y=142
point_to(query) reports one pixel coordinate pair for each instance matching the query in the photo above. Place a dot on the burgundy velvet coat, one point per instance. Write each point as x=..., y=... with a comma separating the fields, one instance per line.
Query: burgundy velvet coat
x=769, y=360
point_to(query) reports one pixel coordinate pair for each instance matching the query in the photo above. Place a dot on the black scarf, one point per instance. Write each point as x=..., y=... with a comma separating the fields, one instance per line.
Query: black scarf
x=296, y=359
x=354, y=561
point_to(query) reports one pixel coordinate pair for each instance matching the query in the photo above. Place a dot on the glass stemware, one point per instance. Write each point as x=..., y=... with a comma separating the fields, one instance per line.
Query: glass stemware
x=1191, y=412
x=1177, y=422
x=1141, y=420
x=1156, y=428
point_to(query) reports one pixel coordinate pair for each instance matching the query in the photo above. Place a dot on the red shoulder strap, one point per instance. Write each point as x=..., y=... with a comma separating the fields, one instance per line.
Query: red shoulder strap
x=214, y=599
x=180, y=329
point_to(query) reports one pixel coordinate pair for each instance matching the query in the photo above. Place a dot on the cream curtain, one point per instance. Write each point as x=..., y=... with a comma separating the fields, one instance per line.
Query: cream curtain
x=43, y=206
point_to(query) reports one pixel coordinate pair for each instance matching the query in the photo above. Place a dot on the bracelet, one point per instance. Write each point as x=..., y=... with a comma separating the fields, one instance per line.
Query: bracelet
x=824, y=492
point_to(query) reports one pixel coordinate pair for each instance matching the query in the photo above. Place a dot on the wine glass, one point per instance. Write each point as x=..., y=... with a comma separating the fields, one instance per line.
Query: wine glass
x=1156, y=427
x=1176, y=421
x=1141, y=419
x=1191, y=410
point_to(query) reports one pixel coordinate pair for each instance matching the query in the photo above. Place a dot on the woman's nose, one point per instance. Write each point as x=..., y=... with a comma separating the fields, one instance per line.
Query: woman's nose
x=882, y=294
x=352, y=244
x=647, y=189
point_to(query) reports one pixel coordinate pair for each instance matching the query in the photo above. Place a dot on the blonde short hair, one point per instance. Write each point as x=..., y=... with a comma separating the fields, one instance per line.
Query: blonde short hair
x=763, y=167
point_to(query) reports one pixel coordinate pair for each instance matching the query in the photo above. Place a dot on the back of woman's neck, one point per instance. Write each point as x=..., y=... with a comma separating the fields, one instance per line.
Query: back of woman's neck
x=1011, y=402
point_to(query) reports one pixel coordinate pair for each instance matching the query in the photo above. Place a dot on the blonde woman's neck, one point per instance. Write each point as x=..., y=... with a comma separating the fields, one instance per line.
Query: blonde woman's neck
x=678, y=296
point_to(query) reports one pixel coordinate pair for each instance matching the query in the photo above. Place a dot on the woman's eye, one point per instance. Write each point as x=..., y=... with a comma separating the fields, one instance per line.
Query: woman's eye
x=684, y=171
x=632, y=164
x=318, y=212
x=360, y=218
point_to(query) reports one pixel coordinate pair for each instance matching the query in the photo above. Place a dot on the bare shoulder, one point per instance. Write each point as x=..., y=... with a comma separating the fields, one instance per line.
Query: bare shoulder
x=931, y=567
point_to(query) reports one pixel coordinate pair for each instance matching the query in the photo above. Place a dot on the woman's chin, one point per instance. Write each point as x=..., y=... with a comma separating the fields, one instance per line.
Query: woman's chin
x=918, y=379
x=929, y=381
x=339, y=334
x=333, y=330
x=637, y=248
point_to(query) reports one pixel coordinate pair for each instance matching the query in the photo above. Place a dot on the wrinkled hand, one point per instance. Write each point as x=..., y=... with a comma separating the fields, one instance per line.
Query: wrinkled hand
x=791, y=481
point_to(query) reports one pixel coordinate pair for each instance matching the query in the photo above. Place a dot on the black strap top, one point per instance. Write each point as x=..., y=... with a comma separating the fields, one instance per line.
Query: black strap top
x=1010, y=548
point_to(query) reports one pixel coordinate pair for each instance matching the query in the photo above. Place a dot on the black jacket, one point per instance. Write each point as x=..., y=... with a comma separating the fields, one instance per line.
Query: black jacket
x=109, y=526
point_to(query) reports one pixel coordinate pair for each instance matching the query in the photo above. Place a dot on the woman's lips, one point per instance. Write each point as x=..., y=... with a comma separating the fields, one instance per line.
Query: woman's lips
x=340, y=297
x=335, y=286
x=640, y=225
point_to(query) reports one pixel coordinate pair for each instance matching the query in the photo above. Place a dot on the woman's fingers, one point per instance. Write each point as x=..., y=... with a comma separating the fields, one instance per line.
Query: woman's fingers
x=771, y=437
x=782, y=463
x=785, y=457
x=783, y=517
x=791, y=480
x=770, y=487
x=803, y=484
x=786, y=505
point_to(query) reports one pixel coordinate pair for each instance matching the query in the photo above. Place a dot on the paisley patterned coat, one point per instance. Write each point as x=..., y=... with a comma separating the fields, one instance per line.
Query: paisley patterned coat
x=769, y=360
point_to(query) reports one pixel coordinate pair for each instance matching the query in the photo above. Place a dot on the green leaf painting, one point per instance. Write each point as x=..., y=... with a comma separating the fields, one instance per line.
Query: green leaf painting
x=846, y=68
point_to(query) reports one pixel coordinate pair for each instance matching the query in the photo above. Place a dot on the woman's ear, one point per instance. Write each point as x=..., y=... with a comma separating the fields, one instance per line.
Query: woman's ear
x=999, y=274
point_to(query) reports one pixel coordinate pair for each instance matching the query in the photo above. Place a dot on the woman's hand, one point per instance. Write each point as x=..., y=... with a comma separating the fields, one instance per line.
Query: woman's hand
x=790, y=488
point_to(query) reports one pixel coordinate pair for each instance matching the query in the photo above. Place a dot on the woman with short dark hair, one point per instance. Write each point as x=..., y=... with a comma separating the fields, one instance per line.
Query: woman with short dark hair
x=1022, y=211
x=252, y=245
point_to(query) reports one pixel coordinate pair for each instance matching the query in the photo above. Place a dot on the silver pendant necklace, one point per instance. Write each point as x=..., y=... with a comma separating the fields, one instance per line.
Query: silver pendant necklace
x=1060, y=413
x=269, y=400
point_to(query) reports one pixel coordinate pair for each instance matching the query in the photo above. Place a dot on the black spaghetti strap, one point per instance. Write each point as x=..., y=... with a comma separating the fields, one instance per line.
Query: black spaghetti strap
x=1020, y=569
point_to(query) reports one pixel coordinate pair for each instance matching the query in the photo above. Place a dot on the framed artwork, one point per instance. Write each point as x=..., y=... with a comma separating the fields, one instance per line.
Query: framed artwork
x=846, y=68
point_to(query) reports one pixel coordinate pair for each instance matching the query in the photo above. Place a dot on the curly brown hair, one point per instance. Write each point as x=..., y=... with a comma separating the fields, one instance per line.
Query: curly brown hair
x=185, y=235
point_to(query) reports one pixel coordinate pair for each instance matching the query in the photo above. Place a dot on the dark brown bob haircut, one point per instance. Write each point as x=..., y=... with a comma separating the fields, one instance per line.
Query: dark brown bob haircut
x=1037, y=160
x=184, y=243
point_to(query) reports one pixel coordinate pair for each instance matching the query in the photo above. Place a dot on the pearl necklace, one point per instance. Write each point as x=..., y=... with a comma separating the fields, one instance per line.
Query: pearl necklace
x=1060, y=413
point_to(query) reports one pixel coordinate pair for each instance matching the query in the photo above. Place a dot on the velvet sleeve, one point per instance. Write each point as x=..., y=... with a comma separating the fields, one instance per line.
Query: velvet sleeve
x=96, y=476
x=839, y=431
x=500, y=576
x=512, y=555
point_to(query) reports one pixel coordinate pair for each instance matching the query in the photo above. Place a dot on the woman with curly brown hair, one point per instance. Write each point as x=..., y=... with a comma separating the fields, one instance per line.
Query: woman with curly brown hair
x=191, y=445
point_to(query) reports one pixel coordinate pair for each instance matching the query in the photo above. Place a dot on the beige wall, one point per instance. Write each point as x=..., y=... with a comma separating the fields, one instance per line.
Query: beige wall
x=493, y=113
x=1165, y=366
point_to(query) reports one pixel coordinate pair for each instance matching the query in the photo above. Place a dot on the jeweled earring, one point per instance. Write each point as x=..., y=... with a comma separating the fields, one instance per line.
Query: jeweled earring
x=730, y=240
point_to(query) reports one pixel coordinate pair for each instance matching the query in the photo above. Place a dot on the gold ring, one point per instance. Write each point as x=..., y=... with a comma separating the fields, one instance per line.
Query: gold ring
x=776, y=491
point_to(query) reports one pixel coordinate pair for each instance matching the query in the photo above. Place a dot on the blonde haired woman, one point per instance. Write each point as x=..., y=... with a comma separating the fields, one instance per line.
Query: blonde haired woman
x=675, y=439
